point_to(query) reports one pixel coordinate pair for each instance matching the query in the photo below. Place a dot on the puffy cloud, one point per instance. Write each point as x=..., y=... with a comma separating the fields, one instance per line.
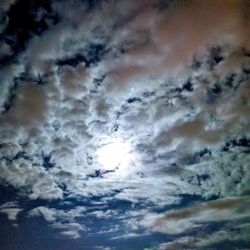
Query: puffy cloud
x=33, y=179
x=7, y=81
x=28, y=108
x=172, y=40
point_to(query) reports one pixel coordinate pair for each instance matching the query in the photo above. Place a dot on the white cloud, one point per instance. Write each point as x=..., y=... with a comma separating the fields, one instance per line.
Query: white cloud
x=11, y=209
x=11, y=213
x=195, y=216
x=62, y=220
x=207, y=241
x=69, y=230
x=7, y=76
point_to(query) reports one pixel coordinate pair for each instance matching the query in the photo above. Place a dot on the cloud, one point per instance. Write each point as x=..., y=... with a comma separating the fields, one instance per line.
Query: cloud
x=6, y=4
x=173, y=83
x=197, y=215
x=62, y=220
x=69, y=230
x=201, y=241
x=11, y=209
x=7, y=80
x=62, y=119
x=28, y=108
x=174, y=38
x=22, y=174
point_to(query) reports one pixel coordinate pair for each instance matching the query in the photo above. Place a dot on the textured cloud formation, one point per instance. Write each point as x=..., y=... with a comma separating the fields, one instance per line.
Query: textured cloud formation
x=203, y=241
x=11, y=209
x=181, y=220
x=61, y=220
x=170, y=78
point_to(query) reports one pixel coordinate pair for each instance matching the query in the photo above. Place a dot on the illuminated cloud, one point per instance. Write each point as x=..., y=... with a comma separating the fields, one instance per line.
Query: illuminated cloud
x=11, y=209
x=186, y=219
x=138, y=102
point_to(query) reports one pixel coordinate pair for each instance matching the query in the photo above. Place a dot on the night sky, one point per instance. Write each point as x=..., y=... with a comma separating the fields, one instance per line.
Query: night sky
x=124, y=124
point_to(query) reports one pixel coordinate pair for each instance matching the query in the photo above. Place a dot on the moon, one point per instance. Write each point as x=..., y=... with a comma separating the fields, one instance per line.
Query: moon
x=115, y=155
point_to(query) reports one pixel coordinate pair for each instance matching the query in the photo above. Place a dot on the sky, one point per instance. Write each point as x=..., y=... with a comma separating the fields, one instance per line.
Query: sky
x=124, y=124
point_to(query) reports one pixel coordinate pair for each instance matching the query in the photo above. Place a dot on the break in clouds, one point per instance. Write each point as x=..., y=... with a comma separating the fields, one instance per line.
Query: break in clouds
x=168, y=81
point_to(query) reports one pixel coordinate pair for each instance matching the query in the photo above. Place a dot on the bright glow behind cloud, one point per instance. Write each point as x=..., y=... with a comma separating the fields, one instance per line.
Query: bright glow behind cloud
x=115, y=154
